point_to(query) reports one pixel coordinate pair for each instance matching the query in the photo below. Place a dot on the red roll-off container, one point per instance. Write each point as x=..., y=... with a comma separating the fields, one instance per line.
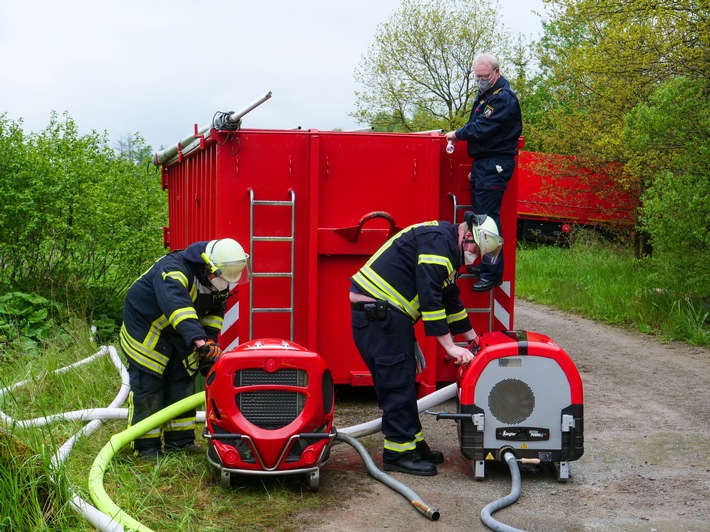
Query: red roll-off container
x=310, y=207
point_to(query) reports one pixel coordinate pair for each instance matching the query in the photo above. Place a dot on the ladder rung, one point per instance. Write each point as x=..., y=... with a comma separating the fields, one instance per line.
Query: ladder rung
x=273, y=239
x=272, y=274
x=287, y=309
x=274, y=203
x=481, y=310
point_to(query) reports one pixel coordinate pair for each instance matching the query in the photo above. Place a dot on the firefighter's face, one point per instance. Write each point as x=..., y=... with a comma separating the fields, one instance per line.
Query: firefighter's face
x=469, y=248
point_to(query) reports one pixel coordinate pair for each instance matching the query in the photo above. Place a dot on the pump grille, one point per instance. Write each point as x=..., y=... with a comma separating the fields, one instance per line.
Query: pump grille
x=282, y=377
x=511, y=401
x=270, y=409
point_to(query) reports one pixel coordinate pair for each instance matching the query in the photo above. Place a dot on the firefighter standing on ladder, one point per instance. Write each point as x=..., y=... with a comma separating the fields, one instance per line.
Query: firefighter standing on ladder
x=171, y=318
x=492, y=134
x=413, y=275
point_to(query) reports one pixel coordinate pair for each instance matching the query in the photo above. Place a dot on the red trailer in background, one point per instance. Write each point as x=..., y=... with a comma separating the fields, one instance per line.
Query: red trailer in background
x=556, y=193
x=311, y=207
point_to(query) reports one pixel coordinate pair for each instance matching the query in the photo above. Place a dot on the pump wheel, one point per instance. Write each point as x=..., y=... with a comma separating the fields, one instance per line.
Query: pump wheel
x=313, y=480
x=225, y=479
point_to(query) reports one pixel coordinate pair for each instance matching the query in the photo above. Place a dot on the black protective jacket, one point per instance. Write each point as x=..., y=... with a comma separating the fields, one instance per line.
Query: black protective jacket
x=416, y=272
x=168, y=308
x=495, y=124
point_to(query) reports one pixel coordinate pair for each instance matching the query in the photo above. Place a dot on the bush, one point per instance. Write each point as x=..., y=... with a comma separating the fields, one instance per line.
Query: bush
x=84, y=220
x=670, y=150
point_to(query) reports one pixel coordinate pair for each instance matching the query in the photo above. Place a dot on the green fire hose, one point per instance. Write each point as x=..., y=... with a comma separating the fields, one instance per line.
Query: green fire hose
x=119, y=441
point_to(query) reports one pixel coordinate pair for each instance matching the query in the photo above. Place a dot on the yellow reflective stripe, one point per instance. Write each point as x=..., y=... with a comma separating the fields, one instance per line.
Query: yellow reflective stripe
x=381, y=289
x=177, y=275
x=181, y=314
x=456, y=317
x=433, y=315
x=400, y=447
x=418, y=437
x=437, y=260
x=153, y=433
x=139, y=352
x=193, y=292
x=191, y=363
x=212, y=321
x=154, y=332
x=186, y=423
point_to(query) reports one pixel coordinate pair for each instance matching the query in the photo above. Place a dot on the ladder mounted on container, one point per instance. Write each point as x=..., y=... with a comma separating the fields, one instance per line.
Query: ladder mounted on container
x=291, y=204
x=473, y=310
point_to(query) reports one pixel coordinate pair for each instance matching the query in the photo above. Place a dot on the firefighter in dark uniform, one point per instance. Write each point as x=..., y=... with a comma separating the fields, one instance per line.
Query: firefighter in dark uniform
x=413, y=276
x=171, y=318
x=492, y=134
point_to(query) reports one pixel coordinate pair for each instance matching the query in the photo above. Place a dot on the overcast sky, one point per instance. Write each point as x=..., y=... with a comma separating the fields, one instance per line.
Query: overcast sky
x=157, y=67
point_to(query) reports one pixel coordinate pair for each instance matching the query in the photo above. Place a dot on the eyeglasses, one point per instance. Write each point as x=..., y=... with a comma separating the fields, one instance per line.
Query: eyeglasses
x=467, y=245
x=486, y=77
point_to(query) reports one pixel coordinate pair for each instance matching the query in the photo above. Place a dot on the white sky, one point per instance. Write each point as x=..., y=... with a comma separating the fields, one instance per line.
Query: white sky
x=157, y=67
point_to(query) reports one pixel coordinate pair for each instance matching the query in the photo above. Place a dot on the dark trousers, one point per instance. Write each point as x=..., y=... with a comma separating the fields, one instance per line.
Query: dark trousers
x=151, y=393
x=488, y=185
x=387, y=348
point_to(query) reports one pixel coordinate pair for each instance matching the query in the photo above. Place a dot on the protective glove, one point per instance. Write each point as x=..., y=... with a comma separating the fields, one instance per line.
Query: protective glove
x=475, y=345
x=209, y=351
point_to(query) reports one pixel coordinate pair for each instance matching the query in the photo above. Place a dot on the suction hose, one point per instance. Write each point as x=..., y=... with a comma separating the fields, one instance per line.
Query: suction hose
x=425, y=403
x=505, y=501
x=430, y=513
x=116, y=443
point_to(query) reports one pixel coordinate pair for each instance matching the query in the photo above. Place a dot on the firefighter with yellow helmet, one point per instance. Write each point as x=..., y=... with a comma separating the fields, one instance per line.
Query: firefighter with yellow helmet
x=172, y=315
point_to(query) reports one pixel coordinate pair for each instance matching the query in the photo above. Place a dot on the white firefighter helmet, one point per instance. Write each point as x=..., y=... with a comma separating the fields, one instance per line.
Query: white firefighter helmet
x=228, y=258
x=485, y=234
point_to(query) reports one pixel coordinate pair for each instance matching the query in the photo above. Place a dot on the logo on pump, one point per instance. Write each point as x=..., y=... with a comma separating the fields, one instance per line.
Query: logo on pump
x=522, y=434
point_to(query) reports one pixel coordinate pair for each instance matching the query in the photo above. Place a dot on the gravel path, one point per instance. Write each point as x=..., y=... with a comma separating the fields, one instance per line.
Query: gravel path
x=646, y=462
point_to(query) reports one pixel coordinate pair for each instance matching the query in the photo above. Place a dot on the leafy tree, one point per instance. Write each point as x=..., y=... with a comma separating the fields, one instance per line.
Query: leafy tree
x=669, y=140
x=418, y=74
x=600, y=58
x=84, y=221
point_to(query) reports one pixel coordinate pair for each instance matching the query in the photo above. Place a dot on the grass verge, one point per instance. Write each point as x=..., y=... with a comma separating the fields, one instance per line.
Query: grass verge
x=604, y=282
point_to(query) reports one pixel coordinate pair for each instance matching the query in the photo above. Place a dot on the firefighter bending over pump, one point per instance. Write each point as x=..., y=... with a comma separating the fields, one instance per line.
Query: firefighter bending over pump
x=412, y=276
x=171, y=318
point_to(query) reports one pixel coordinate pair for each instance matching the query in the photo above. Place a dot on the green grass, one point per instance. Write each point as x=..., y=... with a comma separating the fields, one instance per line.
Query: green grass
x=603, y=281
x=178, y=493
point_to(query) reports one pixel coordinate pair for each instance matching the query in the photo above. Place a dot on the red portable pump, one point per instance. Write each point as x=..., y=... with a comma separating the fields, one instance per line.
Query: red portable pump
x=269, y=410
x=521, y=394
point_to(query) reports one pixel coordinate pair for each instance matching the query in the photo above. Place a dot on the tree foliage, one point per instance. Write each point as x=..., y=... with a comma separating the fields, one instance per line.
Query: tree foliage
x=668, y=139
x=80, y=221
x=600, y=58
x=418, y=74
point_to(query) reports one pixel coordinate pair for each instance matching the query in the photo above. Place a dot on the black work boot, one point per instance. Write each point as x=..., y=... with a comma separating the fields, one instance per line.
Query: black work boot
x=473, y=270
x=426, y=454
x=148, y=455
x=411, y=464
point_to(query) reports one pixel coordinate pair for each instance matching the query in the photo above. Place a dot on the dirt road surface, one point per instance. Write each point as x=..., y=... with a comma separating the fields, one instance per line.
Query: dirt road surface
x=646, y=462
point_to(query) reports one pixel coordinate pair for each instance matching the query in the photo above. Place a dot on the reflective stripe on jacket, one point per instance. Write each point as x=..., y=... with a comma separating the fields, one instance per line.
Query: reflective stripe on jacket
x=168, y=308
x=415, y=271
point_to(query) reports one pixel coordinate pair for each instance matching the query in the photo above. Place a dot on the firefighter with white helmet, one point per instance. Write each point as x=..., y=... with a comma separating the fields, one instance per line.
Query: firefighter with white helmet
x=412, y=277
x=171, y=318
x=484, y=232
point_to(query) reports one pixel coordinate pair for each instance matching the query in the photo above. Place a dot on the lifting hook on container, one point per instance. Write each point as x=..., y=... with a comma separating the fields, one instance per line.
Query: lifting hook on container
x=352, y=233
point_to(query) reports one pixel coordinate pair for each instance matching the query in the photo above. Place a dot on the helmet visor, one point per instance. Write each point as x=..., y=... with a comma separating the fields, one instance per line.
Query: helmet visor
x=490, y=245
x=234, y=272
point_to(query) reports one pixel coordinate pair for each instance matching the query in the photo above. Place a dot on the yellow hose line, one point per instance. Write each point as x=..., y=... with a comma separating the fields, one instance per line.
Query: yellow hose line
x=117, y=442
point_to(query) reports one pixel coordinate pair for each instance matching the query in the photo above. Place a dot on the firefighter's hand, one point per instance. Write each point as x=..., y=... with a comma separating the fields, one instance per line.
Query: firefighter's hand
x=209, y=351
x=460, y=355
